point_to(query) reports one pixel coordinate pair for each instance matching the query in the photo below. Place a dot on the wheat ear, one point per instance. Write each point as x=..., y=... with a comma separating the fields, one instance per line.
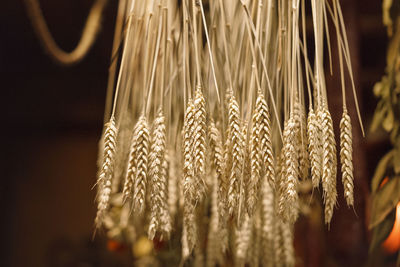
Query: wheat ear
x=199, y=139
x=218, y=162
x=289, y=199
x=329, y=162
x=142, y=140
x=267, y=154
x=190, y=192
x=314, y=148
x=302, y=140
x=158, y=180
x=235, y=153
x=106, y=171
x=127, y=191
x=255, y=164
x=346, y=157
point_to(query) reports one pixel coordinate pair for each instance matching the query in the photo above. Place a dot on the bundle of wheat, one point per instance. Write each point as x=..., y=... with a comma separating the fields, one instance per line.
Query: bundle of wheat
x=222, y=142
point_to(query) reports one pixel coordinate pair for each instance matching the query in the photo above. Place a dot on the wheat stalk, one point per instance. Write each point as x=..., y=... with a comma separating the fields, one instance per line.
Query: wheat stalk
x=106, y=171
x=142, y=140
x=235, y=155
x=346, y=157
x=173, y=182
x=329, y=162
x=289, y=199
x=159, y=215
x=314, y=148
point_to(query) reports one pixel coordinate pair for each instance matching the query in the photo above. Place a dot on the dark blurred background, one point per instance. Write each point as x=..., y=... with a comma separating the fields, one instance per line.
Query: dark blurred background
x=52, y=121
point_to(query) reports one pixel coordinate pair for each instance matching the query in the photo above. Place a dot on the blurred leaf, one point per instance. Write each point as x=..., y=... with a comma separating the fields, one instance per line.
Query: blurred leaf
x=384, y=201
x=388, y=121
x=378, y=115
x=387, y=20
x=381, y=170
x=380, y=233
x=396, y=161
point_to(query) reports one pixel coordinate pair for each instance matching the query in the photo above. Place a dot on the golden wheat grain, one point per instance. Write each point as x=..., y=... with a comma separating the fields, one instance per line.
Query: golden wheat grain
x=158, y=178
x=106, y=171
x=142, y=140
x=346, y=158
x=314, y=148
x=329, y=163
x=289, y=199
x=235, y=153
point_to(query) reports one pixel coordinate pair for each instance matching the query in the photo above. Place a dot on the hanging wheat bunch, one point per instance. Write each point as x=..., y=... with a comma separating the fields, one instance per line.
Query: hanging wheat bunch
x=219, y=174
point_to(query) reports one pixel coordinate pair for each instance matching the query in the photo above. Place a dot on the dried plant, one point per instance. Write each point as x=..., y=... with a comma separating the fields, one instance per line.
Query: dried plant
x=235, y=156
x=329, y=163
x=106, y=171
x=220, y=172
x=314, y=148
x=159, y=216
x=346, y=157
x=289, y=199
x=142, y=141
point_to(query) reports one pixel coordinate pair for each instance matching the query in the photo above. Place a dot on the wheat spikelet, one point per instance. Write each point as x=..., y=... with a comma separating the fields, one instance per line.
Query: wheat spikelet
x=314, y=148
x=267, y=154
x=142, y=139
x=268, y=227
x=106, y=171
x=127, y=191
x=245, y=177
x=235, y=153
x=158, y=179
x=346, y=157
x=329, y=163
x=255, y=164
x=199, y=139
x=289, y=199
x=301, y=138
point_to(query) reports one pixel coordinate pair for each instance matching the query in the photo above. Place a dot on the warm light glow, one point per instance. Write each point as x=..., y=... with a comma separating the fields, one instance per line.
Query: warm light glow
x=392, y=243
